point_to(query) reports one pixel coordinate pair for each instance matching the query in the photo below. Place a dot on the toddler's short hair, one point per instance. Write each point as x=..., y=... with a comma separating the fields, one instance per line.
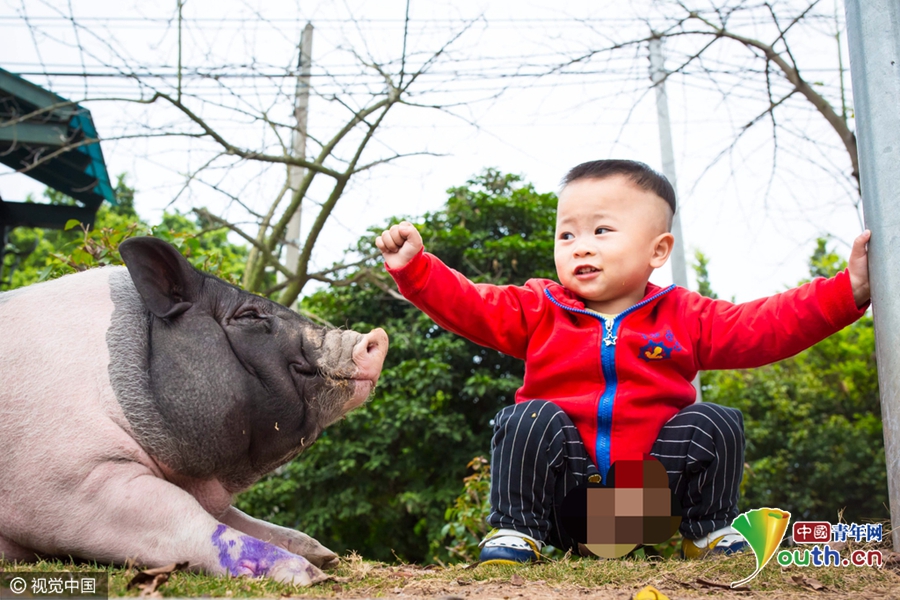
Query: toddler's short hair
x=640, y=174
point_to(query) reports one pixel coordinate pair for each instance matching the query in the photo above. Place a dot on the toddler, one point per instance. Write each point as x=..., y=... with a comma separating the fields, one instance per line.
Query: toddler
x=609, y=358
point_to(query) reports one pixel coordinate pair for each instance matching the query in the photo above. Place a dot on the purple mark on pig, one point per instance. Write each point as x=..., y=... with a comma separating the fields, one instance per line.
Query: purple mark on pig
x=256, y=557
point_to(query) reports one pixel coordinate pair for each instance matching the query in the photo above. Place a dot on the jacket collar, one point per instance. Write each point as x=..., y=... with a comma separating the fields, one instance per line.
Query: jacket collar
x=563, y=297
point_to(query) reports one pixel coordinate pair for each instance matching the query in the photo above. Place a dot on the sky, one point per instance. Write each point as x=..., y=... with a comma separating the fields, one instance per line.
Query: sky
x=515, y=91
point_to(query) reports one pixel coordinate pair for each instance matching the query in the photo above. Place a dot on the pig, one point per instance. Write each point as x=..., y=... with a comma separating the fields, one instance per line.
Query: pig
x=136, y=401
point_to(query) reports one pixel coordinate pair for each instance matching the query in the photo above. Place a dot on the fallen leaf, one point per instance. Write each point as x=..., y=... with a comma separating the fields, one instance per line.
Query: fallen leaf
x=402, y=575
x=649, y=593
x=337, y=588
x=464, y=582
x=150, y=580
x=517, y=579
x=813, y=584
x=839, y=546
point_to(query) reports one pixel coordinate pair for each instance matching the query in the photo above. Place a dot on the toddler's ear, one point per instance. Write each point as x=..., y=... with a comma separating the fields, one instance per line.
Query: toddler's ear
x=662, y=248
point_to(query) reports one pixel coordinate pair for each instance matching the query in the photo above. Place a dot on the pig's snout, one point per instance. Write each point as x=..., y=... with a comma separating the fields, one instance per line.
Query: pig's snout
x=369, y=353
x=368, y=358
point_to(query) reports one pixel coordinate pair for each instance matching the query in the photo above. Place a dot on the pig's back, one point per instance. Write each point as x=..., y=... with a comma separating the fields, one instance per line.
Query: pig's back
x=59, y=417
x=53, y=347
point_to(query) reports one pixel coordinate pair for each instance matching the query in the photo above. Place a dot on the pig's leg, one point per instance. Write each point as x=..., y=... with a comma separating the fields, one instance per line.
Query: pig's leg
x=13, y=552
x=126, y=512
x=291, y=540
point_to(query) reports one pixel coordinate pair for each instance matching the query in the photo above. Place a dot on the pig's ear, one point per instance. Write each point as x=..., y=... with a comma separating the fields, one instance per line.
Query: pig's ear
x=162, y=276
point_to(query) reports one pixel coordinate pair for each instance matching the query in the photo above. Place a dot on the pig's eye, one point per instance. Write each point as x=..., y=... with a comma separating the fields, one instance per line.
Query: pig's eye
x=248, y=314
x=304, y=369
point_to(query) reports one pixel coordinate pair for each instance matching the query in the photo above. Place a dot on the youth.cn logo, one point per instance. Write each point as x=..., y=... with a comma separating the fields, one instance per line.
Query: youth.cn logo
x=764, y=529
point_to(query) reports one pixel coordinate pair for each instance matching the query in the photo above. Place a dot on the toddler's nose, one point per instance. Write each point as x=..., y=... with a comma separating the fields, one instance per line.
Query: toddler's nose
x=582, y=250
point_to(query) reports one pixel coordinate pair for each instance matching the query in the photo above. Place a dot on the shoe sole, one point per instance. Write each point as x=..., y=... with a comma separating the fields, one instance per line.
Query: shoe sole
x=503, y=561
x=713, y=550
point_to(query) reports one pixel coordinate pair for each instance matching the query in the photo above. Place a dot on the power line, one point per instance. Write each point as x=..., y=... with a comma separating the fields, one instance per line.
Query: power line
x=290, y=73
x=399, y=21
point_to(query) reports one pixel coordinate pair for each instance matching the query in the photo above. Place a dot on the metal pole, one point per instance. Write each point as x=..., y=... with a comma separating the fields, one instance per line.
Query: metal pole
x=298, y=145
x=658, y=76
x=873, y=36
x=4, y=233
x=180, y=6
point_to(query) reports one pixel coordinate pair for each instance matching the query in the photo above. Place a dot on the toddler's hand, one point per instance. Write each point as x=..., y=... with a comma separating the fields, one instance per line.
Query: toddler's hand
x=858, y=266
x=399, y=244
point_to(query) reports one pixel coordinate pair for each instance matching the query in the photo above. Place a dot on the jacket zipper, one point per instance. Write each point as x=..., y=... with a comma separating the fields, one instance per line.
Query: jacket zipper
x=608, y=397
x=608, y=368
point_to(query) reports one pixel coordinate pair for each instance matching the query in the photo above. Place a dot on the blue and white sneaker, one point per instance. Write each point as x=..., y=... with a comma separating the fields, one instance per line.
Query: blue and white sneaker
x=509, y=547
x=721, y=541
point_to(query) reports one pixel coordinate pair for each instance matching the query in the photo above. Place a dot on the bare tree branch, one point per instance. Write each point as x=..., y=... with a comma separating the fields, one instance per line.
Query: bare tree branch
x=793, y=76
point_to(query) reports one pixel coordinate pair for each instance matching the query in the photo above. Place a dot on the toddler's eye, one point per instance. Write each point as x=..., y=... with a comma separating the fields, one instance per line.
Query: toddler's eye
x=566, y=236
x=601, y=231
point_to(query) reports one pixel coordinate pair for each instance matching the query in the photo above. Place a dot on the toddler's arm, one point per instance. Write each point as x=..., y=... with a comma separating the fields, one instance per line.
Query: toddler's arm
x=499, y=317
x=751, y=334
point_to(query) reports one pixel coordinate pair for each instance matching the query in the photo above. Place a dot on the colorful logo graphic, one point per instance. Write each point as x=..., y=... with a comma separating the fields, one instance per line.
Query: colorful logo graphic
x=763, y=528
x=659, y=346
x=635, y=507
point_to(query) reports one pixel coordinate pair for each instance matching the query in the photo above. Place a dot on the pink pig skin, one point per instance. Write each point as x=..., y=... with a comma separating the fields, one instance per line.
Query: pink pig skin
x=73, y=480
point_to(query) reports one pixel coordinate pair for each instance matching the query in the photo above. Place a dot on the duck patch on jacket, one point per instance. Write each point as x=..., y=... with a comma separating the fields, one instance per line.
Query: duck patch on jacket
x=659, y=346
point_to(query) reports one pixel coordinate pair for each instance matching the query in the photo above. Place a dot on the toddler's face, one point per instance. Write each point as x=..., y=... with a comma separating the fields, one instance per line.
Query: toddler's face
x=610, y=235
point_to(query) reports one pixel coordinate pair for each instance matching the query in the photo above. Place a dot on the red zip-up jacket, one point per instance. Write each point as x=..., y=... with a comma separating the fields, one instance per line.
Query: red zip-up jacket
x=621, y=379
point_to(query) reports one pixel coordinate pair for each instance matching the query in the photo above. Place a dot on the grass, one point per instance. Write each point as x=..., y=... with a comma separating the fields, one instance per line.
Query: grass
x=359, y=578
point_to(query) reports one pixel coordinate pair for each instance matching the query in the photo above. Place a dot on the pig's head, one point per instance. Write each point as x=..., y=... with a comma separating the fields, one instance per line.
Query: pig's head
x=238, y=384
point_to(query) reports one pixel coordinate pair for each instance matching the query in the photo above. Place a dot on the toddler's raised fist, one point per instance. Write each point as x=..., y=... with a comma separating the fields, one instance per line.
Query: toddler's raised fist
x=399, y=244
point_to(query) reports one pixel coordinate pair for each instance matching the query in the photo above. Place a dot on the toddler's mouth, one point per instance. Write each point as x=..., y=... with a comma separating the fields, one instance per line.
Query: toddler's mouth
x=585, y=270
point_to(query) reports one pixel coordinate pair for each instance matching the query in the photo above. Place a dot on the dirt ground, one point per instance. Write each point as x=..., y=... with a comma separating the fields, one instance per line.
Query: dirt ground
x=409, y=583
x=540, y=590
x=359, y=579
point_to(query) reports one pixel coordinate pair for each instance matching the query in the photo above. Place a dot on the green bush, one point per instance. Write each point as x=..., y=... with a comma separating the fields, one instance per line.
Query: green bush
x=35, y=255
x=813, y=424
x=466, y=519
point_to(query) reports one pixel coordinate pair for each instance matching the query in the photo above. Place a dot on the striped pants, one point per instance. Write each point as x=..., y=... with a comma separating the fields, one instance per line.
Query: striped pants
x=537, y=457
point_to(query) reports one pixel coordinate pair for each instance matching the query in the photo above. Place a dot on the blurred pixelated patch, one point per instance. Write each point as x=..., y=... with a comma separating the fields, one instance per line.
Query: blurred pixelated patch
x=633, y=507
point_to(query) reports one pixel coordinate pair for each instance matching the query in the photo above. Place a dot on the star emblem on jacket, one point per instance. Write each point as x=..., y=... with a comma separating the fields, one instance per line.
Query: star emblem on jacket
x=610, y=339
